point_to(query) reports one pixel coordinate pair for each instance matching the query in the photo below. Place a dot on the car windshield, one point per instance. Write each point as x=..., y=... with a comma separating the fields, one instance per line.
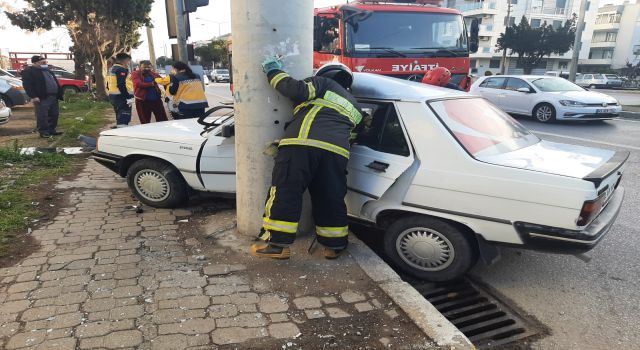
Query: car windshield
x=6, y=73
x=611, y=76
x=481, y=128
x=222, y=71
x=554, y=84
x=402, y=33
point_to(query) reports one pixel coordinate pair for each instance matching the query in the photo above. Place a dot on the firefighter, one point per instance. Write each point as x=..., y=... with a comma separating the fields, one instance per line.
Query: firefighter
x=120, y=88
x=312, y=155
x=440, y=76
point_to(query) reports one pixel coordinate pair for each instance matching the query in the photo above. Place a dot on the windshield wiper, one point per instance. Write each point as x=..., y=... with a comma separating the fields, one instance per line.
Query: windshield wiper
x=451, y=52
x=389, y=50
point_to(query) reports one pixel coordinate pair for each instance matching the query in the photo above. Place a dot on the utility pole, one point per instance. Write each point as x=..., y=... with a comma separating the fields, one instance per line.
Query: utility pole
x=260, y=30
x=181, y=31
x=152, y=51
x=507, y=22
x=577, y=41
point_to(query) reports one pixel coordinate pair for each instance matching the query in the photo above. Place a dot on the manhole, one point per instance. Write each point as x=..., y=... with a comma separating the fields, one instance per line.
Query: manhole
x=486, y=321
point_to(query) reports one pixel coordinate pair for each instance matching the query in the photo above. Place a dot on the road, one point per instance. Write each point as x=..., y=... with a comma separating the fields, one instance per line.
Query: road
x=625, y=97
x=590, y=302
x=217, y=93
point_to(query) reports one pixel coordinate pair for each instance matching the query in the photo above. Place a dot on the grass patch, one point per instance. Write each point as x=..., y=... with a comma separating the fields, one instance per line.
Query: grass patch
x=81, y=114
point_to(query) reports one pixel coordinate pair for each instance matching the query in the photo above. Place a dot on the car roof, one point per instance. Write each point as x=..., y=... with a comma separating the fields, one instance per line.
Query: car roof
x=380, y=87
x=519, y=76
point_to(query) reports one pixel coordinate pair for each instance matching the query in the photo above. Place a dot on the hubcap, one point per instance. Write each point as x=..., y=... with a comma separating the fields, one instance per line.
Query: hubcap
x=152, y=185
x=544, y=113
x=425, y=249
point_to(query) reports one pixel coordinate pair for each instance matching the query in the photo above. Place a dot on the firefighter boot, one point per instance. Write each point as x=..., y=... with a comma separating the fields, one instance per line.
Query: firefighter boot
x=330, y=253
x=266, y=250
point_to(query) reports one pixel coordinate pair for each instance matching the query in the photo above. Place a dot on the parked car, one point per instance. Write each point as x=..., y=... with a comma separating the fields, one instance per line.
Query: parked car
x=545, y=98
x=220, y=75
x=12, y=92
x=5, y=113
x=605, y=81
x=69, y=83
x=446, y=174
x=561, y=74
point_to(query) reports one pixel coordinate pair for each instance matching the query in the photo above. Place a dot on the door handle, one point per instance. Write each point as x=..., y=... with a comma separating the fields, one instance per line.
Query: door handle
x=378, y=166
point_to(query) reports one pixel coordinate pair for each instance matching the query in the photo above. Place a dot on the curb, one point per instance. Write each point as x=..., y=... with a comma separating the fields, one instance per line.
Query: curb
x=419, y=310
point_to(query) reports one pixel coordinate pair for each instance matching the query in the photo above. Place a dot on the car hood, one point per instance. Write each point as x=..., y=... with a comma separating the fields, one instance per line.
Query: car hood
x=585, y=96
x=11, y=79
x=554, y=158
x=181, y=131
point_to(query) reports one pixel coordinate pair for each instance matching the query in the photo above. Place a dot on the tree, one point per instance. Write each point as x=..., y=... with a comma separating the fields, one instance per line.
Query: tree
x=164, y=61
x=631, y=71
x=98, y=29
x=533, y=44
x=216, y=52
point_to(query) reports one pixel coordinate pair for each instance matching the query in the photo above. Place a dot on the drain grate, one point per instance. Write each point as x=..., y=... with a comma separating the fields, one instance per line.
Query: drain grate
x=486, y=321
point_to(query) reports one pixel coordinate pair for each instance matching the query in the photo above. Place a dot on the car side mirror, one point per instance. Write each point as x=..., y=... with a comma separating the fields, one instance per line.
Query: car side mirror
x=524, y=89
x=228, y=131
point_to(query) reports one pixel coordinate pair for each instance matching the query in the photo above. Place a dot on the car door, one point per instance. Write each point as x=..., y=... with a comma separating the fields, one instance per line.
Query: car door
x=216, y=164
x=379, y=155
x=515, y=101
x=492, y=90
x=587, y=79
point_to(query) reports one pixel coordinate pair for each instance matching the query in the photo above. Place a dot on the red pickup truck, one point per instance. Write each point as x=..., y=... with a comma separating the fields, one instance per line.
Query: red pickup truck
x=69, y=83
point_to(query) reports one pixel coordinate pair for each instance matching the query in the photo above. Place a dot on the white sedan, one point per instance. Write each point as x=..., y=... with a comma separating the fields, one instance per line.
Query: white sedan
x=545, y=98
x=5, y=113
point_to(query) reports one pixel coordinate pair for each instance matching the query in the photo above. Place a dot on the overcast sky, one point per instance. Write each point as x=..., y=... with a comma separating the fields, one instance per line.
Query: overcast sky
x=205, y=24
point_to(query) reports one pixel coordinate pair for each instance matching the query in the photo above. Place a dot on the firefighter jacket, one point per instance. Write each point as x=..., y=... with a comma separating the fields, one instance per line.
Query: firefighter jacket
x=324, y=115
x=188, y=92
x=119, y=81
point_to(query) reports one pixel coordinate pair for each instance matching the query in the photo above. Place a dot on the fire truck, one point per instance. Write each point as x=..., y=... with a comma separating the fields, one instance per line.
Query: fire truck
x=402, y=39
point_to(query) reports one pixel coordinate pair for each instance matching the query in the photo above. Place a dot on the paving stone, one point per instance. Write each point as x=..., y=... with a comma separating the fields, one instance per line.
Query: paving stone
x=307, y=303
x=214, y=270
x=314, y=313
x=192, y=326
x=22, y=287
x=281, y=317
x=9, y=328
x=336, y=312
x=127, y=273
x=124, y=312
x=223, y=289
x=26, y=276
x=66, y=320
x=363, y=307
x=271, y=303
x=115, y=340
x=58, y=344
x=192, y=302
x=223, y=310
x=175, y=293
x=127, y=292
x=180, y=341
x=329, y=300
x=94, y=329
x=63, y=259
x=248, y=308
x=34, y=261
x=38, y=313
x=352, y=297
x=27, y=339
x=283, y=330
x=229, y=280
x=93, y=305
x=376, y=303
x=244, y=298
x=392, y=313
x=242, y=320
x=235, y=335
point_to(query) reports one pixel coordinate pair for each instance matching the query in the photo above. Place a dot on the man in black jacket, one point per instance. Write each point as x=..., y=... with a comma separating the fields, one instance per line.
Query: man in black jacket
x=42, y=86
x=312, y=155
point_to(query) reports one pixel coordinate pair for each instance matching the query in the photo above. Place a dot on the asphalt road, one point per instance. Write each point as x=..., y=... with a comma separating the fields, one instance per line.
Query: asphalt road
x=217, y=93
x=625, y=97
x=591, y=302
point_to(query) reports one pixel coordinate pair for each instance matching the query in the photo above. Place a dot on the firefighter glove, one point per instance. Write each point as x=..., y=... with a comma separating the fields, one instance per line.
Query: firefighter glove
x=271, y=63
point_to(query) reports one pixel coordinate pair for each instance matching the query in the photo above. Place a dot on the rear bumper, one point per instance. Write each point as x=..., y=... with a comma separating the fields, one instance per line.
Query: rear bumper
x=560, y=240
x=110, y=161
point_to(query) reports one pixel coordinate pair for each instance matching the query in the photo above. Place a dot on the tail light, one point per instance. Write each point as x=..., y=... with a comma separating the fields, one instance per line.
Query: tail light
x=591, y=209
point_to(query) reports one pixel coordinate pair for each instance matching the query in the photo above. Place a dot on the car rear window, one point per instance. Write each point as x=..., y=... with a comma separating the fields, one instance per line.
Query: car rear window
x=481, y=128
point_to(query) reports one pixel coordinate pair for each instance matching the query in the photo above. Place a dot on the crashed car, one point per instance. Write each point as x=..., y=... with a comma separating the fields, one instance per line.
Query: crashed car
x=447, y=175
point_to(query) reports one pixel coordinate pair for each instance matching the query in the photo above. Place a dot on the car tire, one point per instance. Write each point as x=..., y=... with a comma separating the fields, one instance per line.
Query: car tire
x=544, y=113
x=69, y=90
x=429, y=249
x=157, y=183
x=7, y=101
x=592, y=86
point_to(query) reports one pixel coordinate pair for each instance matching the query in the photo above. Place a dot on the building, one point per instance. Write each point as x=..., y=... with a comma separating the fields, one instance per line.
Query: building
x=492, y=17
x=616, y=38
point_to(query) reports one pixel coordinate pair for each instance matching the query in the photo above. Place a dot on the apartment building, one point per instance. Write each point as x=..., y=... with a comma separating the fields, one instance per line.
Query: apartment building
x=492, y=15
x=615, y=39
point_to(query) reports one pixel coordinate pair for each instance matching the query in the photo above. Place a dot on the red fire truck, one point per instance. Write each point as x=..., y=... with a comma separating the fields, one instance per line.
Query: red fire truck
x=402, y=39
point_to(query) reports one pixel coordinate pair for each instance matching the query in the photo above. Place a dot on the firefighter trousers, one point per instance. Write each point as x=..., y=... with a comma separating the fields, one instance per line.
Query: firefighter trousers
x=323, y=173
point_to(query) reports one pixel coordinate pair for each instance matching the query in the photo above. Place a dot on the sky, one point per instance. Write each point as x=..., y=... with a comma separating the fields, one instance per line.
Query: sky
x=205, y=24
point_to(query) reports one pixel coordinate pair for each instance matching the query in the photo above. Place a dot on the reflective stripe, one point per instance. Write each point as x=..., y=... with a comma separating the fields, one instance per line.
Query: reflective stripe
x=312, y=91
x=349, y=110
x=352, y=113
x=306, y=123
x=276, y=79
x=272, y=197
x=281, y=226
x=332, y=232
x=315, y=143
x=265, y=236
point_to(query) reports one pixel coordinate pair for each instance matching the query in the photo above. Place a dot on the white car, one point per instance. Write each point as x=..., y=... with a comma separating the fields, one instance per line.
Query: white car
x=5, y=113
x=594, y=80
x=447, y=175
x=545, y=98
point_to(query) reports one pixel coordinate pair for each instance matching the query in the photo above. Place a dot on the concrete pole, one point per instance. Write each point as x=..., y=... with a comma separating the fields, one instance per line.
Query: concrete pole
x=181, y=31
x=573, y=69
x=507, y=21
x=152, y=50
x=260, y=29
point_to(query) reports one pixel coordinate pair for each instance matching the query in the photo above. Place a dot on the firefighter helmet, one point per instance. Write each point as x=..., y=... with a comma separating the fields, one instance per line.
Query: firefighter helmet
x=438, y=76
x=338, y=72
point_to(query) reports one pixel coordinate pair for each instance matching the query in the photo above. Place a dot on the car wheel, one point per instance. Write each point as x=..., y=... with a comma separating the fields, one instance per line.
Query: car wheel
x=592, y=86
x=69, y=90
x=157, y=183
x=6, y=100
x=544, y=113
x=429, y=249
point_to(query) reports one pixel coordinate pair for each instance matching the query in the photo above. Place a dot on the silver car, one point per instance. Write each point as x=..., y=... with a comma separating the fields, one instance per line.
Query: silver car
x=595, y=80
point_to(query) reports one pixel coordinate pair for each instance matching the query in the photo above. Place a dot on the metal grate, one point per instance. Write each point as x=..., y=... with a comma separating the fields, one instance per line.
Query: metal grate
x=486, y=321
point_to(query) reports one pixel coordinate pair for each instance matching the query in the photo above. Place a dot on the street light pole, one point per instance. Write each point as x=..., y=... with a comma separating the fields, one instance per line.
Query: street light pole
x=260, y=30
x=152, y=50
x=577, y=41
x=181, y=31
x=504, y=51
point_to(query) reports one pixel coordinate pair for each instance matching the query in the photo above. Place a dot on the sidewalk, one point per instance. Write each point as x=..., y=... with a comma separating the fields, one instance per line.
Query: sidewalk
x=107, y=277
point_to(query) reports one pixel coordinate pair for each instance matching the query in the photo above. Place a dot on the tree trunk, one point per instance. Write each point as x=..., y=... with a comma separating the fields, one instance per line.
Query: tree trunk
x=99, y=67
x=79, y=61
x=527, y=69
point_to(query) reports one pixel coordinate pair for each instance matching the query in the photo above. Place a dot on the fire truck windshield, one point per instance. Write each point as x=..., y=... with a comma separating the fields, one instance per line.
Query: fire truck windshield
x=407, y=34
